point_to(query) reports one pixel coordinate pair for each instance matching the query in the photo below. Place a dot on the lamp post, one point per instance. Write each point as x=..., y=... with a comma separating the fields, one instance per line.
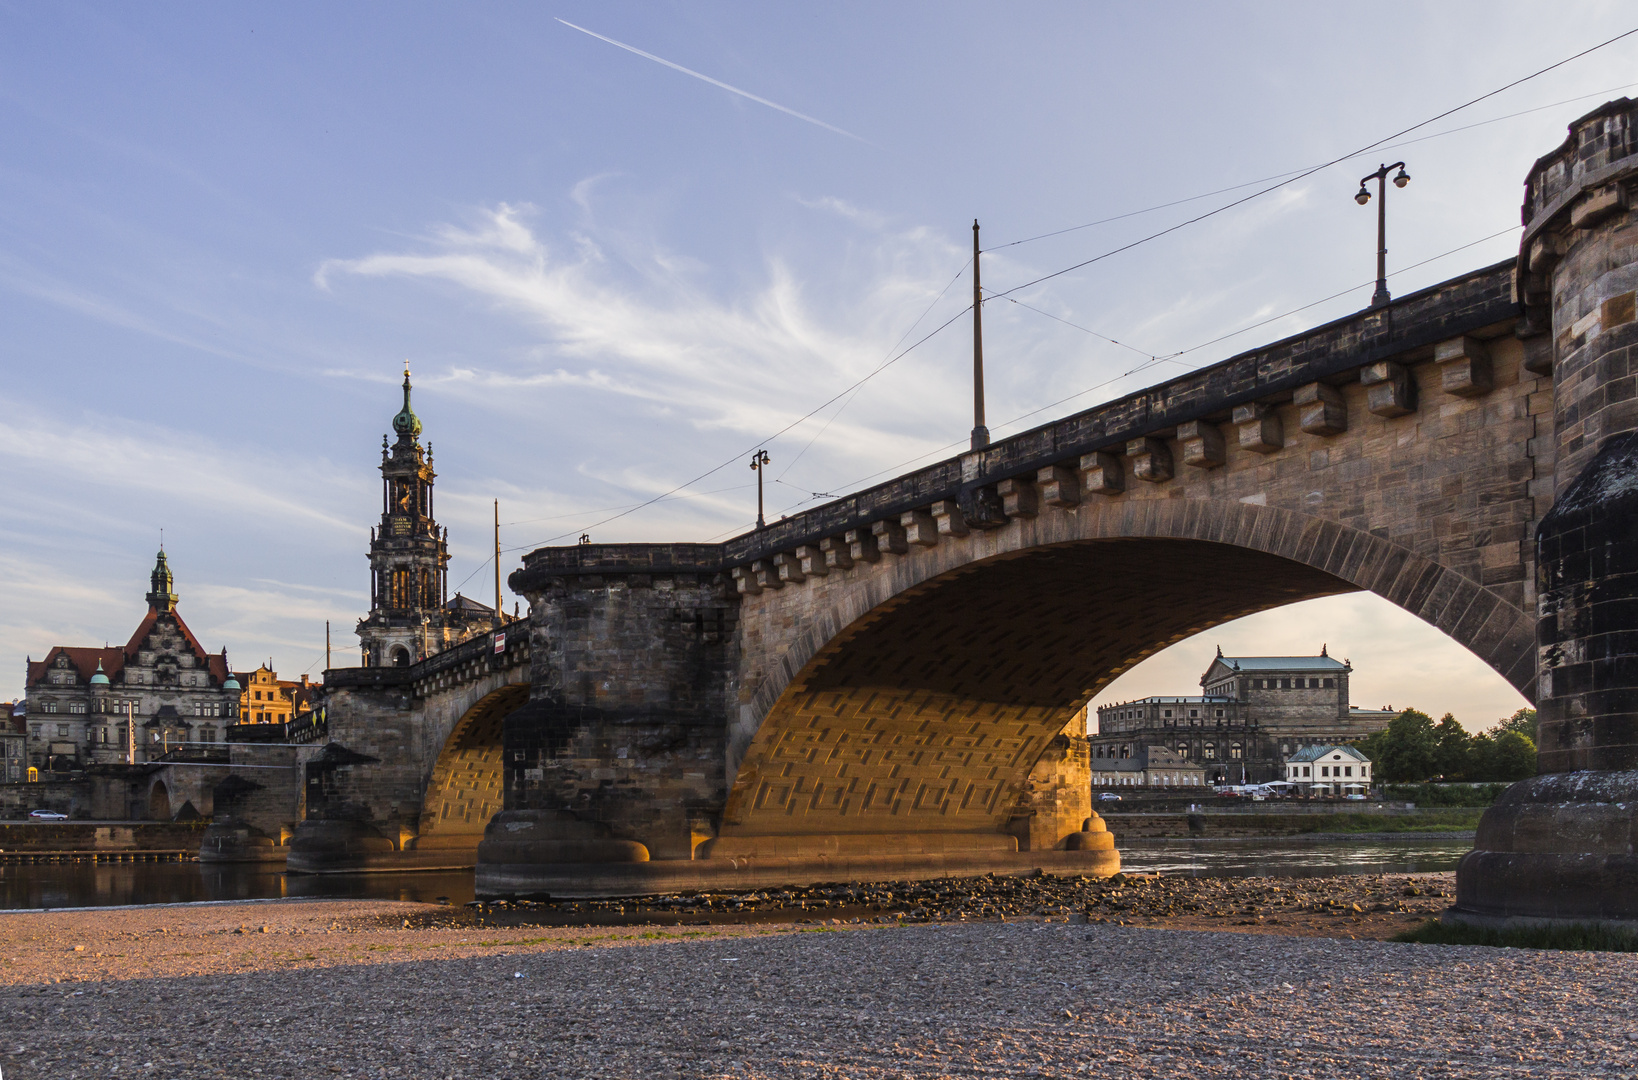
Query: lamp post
x=759, y=462
x=1363, y=196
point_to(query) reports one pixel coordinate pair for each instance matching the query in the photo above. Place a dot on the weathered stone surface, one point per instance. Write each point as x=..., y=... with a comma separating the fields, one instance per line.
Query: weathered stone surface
x=1320, y=409
x=1561, y=846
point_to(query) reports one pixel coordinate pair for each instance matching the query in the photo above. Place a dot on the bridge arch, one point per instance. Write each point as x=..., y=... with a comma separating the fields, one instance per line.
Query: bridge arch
x=925, y=689
x=159, y=802
x=467, y=783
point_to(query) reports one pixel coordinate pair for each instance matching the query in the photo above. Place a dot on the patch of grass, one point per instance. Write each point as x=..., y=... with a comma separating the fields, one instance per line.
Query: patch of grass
x=1584, y=937
x=1455, y=820
x=1445, y=794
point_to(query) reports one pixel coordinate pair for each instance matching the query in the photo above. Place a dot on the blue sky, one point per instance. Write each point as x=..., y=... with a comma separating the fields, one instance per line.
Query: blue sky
x=223, y=228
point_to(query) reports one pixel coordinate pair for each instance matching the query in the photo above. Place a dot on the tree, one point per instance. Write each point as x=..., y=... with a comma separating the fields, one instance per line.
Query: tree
x=1523, y=722
x=1408, y=751
x=1515, y=757
x=1481, y=757
x=1452, y=754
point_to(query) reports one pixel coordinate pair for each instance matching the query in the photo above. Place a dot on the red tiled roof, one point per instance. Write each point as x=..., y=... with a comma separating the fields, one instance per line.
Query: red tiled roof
x=113, y=660
x=84, y=661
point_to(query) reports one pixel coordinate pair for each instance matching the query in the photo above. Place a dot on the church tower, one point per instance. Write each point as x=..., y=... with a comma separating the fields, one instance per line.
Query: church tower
x=411, y=616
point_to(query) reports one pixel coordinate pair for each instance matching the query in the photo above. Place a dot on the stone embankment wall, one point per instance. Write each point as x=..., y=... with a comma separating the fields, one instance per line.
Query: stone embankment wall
x=75, y=836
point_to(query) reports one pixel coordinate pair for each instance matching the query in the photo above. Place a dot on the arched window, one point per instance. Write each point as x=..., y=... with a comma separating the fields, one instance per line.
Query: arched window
x=400, y=656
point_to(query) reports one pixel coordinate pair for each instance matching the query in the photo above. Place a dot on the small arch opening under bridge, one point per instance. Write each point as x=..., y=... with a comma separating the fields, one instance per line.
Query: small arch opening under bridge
x=468, y=782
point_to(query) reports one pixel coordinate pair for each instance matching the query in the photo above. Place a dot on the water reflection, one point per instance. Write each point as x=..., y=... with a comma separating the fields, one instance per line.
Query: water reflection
x=50, y=885
x=1260, y=858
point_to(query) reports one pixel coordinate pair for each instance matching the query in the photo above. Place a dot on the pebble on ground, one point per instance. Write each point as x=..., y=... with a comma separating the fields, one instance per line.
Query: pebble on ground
x=347, y=989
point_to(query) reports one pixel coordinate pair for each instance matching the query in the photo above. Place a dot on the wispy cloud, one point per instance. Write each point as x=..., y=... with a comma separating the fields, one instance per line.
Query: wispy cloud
x=714, y=82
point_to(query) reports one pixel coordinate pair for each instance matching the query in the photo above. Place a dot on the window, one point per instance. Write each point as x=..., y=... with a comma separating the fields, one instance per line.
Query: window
x=1285, y=684
x=1167, y=712
x=1325, y=770
x=258, y=695
x=51, y=706
x=1219, y=712
x=1211, y=752
x=62, y=730
x=1236, y=751
x=1307, y=770
x=1330, y=684
x=76, y=706
x=1194, y=712
x=1347, y=770
x=37, y=731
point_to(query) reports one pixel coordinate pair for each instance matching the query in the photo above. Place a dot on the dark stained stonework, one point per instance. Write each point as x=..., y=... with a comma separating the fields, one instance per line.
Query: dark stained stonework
x=1562, y=846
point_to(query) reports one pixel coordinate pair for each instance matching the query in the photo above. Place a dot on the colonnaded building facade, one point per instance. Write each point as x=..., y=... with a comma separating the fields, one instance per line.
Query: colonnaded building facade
x=411, y=613
x=81, y=698
x=1256, y=712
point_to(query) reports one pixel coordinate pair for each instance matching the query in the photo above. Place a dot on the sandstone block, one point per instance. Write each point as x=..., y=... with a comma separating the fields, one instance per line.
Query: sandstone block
x=920, y=528
x=1320, y=409
x=1390, y=390
x=1102, y=473
x=1151, y=460
x=1202, y=444
x=1018, y=498
x=1059, y=486
x=950, y=521
x=1464, y=367
x=1258, y=427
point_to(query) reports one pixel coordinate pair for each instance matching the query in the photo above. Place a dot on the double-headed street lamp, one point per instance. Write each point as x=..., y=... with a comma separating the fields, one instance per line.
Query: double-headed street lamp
x=759, y=462
x=1362, y=197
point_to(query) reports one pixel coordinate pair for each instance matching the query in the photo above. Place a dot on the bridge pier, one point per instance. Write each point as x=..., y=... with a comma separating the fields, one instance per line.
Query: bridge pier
x=619, y=768
x=1563, y=846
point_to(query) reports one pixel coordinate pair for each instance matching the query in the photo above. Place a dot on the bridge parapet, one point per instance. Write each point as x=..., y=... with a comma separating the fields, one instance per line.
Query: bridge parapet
x=1097, y=454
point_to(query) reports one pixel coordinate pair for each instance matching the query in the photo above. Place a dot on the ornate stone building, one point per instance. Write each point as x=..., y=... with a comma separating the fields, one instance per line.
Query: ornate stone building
x=1256, y=711
x=80, y=698
x=411, y=614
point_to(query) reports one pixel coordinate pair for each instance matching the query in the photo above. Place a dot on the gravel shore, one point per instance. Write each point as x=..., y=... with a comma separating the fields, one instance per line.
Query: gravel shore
x=346, y=989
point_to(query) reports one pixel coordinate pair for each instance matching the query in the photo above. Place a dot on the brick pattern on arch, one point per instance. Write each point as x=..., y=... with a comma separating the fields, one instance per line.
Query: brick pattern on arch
x=467, y=786
x=926, y=688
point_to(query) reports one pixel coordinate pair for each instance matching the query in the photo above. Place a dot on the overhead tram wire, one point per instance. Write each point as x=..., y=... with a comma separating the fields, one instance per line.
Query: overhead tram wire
x=1154, y=360
x=1108, y=254
x=1294, y=172
x=859, y=386
x=1317, y=168
x=762, y=442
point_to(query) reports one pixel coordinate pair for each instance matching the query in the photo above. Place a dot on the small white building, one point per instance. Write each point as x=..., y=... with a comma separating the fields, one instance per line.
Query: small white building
x=1329, y=770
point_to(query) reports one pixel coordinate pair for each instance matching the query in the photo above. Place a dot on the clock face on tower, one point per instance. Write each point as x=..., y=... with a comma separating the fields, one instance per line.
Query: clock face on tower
x=411, y=614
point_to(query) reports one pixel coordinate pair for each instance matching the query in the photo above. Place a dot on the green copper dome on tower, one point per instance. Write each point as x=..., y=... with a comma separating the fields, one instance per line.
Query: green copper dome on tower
x=162, y=597
x=406, y=423
x=100, y=678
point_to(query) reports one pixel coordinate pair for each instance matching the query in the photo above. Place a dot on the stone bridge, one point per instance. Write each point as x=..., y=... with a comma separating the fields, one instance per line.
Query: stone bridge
x=875, y=687
x=893, y=684
x=407, y=775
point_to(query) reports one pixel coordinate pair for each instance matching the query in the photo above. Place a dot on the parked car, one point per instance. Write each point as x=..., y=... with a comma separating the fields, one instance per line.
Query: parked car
x=1355, y=797
x=1108, y=796
x=46, y=815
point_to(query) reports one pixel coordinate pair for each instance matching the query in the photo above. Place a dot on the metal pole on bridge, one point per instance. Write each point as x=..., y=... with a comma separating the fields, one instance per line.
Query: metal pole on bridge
x=981, y=434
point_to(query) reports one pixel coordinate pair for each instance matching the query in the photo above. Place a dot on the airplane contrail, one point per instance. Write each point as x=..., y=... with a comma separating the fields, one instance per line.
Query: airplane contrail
x=713, y=82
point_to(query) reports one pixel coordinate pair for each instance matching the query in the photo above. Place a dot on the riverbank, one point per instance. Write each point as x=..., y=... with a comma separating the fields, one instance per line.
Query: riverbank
x=171, y=941
x=319, y=988
x=1292, y=823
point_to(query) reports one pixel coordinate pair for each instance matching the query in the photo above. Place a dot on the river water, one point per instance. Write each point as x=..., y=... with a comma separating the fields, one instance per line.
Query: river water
x=58, y=885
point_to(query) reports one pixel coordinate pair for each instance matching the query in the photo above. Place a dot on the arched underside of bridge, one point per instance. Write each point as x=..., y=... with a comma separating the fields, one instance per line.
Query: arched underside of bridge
x=920, y=700
x=467, y=785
